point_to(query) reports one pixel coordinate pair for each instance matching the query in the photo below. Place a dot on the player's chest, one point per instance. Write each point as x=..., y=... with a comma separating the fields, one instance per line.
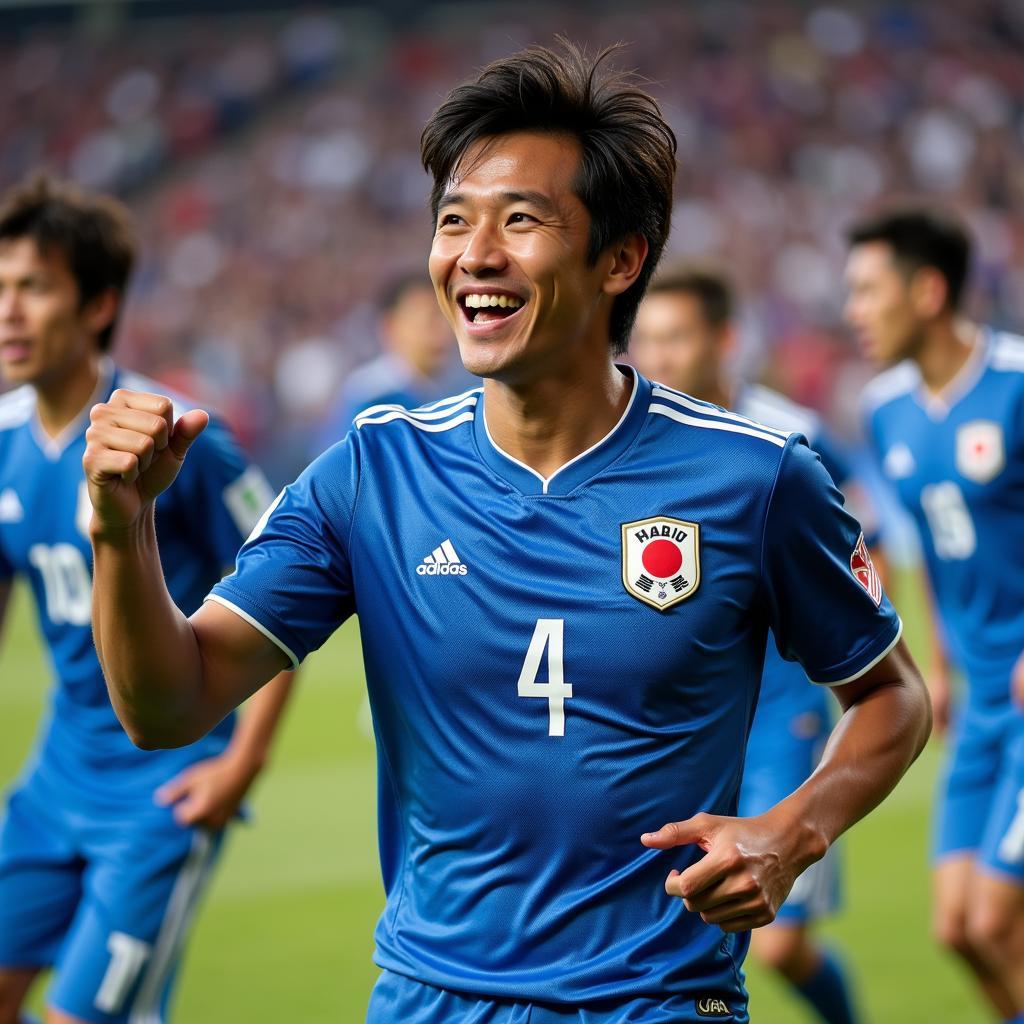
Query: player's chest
x=43, y=503
x=642, y=573
x=44, y=522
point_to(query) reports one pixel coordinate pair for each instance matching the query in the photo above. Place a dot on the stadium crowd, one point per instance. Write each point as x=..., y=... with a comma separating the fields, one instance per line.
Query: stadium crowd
x=273, y=166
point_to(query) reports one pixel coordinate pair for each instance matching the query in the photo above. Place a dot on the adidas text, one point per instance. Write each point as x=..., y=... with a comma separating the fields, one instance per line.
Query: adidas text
x=442, y=570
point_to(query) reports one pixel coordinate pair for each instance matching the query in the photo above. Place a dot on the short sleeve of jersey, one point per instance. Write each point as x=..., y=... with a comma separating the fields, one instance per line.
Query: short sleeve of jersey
x=836, y=459
x=220, y=493
x=293, y=579
x=825, y=601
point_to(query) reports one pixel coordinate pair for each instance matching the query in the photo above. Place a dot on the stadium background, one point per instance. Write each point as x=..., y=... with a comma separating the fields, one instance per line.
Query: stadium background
x=270, y=157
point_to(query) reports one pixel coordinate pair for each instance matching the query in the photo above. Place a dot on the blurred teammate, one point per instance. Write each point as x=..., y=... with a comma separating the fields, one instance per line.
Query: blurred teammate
x=564, y=582
x=415, y=367
x=947, y=424
x=684, y=338
x=104, y=849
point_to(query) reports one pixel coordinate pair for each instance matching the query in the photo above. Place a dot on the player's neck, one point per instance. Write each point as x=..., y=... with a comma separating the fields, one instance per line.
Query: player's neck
x=61, y=396
x=549, y=422
x=944, y=351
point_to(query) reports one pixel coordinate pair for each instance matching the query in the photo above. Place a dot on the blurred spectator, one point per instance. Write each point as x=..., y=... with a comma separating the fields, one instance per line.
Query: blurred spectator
x=418, y=363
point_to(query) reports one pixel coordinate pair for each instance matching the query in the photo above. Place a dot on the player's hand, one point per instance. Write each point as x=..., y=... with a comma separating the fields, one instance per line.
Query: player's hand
x=209, y=793
x=1017, y=682
x=134, y=450
x=749, y=867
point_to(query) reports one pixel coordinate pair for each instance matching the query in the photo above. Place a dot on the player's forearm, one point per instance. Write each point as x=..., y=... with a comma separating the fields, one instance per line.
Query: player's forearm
x=255, y=732
x=146, y=646
x=875, y=741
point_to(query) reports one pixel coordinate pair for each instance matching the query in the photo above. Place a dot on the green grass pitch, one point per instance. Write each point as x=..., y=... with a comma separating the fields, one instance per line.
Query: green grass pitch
x=286, y=933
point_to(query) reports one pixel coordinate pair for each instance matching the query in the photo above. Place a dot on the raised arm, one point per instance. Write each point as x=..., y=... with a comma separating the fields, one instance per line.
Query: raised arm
x=171, y=679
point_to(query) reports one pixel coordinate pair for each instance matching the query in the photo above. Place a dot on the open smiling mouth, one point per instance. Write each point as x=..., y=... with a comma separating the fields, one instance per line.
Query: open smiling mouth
x=489, y=307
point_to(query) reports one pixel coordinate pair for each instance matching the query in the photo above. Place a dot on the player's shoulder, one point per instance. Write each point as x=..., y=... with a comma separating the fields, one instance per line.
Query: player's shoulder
x=764, y=405
x=1006, y=353
x=384, y=425
x=890, y=386
x=681, y=413
x=17, y=407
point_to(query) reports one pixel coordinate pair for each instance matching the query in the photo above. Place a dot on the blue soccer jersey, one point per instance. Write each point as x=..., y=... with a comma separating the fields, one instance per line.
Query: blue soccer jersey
x=44, y=515
x=956, y=462
x=558, y=665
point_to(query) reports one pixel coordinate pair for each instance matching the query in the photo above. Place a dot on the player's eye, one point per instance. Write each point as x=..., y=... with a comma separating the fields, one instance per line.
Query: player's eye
x=521, y=218
x=449, y=220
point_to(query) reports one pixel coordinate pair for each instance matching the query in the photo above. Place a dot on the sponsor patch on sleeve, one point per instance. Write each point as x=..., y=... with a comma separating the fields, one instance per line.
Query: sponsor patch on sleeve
x=864, y=571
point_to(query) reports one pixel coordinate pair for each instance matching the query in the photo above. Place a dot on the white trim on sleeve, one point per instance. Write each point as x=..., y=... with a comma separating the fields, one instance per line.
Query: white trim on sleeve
x=258, y=625
x=867, y=668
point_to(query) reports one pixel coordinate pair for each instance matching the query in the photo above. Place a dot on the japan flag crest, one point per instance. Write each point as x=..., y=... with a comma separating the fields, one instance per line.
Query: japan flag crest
x=980, y=452
x=661, y=560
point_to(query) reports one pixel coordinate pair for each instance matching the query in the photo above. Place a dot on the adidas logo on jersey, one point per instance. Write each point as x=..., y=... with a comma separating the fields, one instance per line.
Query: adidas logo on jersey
x=442, y=561
x=10, y=507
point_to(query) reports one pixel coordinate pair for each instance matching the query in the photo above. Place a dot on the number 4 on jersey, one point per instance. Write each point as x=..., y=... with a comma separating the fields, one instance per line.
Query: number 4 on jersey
x=549, y=633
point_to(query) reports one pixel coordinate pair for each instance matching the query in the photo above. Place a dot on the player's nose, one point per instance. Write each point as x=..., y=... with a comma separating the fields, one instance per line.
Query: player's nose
x=483, y=251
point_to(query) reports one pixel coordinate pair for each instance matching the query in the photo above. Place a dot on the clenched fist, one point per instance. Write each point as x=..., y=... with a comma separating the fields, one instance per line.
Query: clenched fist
x=134, y=450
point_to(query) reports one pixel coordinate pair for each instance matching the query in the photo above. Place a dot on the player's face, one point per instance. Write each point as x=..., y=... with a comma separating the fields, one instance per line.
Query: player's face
x=879, y=306
x=44, y=333
x=509, y=259
x=416, y=330
x=674, y=344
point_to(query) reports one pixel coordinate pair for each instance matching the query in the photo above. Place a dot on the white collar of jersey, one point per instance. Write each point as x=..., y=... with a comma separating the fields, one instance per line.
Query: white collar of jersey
x=528, y=479
x=54, y=447
x=937, y=404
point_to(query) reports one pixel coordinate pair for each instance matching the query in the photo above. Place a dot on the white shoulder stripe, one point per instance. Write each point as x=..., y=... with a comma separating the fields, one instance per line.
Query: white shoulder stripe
x=17, y=407
x=402, y=414
x=371, y=416
x=713, y=413
x=698, y=421
x=767, y=407
x=1008, y=352
x=891, y=384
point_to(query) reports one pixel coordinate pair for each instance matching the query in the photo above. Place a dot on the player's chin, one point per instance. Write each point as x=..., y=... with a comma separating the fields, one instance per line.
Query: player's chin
x=491, y=358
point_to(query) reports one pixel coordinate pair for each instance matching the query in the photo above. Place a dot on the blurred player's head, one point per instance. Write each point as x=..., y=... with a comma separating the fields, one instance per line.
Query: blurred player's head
x=906, y=272
x=412, y=326
x=65, y=259
x=552, y=193
x=684, y=332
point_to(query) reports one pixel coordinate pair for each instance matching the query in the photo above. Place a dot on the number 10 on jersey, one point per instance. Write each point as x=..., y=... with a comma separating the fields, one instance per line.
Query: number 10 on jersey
x=548, y=634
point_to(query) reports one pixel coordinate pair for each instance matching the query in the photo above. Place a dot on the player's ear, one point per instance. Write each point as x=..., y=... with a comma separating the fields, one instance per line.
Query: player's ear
x=928, y=292
x=99, y=312
x=625, y=261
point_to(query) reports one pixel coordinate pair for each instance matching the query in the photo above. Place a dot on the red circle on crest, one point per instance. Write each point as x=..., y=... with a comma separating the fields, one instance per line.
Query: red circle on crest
x=662, y=558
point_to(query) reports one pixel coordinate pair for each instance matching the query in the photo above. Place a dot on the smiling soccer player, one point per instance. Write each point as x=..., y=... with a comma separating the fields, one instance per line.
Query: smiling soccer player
x=541, y=716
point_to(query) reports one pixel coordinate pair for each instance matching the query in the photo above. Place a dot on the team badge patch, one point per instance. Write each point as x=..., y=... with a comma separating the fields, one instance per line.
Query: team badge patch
x=661, y=560
x=864, y=571
x=980, y=452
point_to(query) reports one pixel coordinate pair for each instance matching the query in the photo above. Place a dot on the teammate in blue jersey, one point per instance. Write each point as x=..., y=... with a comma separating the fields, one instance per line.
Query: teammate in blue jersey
x=684, y=337
x=104, y=849
x=564, y=583
x=416, y=366
x=946, y=421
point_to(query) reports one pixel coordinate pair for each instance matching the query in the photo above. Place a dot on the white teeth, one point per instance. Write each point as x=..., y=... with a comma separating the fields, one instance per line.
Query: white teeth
x=477, y=301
